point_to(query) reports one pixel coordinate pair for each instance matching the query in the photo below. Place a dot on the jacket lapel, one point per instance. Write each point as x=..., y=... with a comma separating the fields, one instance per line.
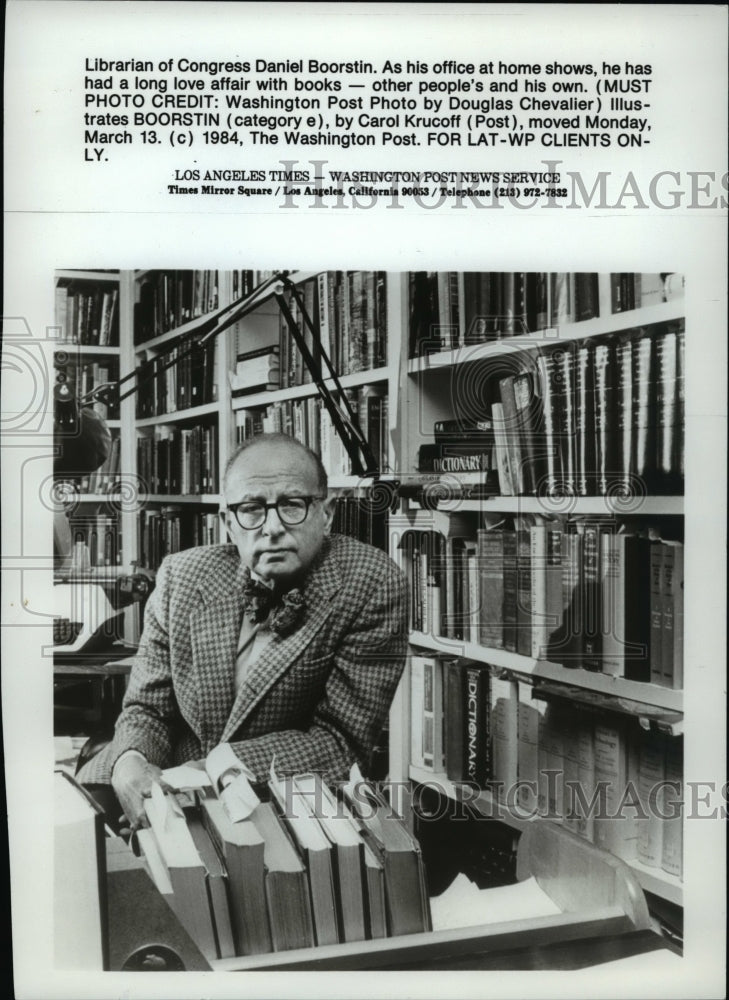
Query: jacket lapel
x=282, y=652
x=214, y=632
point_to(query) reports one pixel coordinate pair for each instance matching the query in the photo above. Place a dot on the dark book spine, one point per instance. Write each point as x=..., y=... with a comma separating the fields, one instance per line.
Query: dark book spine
x=549, y=376
x=454, y=720
x=643, y=416
x=527, y=428
x=564, y=360
x=491, y=588
x=624, y=411
x=637, y=608
x=591, y=599
x=604, y=412
x=585, y=466
x=524, y=593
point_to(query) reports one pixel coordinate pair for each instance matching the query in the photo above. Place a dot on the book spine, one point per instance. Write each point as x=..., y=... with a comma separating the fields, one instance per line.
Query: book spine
x=611, y=776
x=477, y=755
x=591, y=599
x=564, y=361
x=538, y=589
x=510, y=590
x=504, y=697
x=528, y=725
x=670, y=808
x=454, y=720
x=491, y=587
x=651, y=773
x=644, y=412
x=625, y=431
x=549, y=379
x=523, y=593
x=604, y=415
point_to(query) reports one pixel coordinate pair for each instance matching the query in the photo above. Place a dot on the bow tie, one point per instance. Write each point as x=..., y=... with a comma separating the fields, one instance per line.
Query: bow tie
x=260, y=601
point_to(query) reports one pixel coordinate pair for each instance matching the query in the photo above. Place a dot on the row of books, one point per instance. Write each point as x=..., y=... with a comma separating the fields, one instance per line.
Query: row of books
x=598, y=772
x=589, y=418
x=168, y=299
x=177, y=380
x=308, y=420
x=361, y=518
x=302, y=869
x=172, y=529
x=179, y=460
x=578, y=592
x=100, y=536
x=449, y=309
x=87, y=314
x=352, y=313
x=348, y=311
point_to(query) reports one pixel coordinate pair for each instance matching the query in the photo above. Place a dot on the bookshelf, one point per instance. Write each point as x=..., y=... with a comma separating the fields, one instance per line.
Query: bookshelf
x=448, y=378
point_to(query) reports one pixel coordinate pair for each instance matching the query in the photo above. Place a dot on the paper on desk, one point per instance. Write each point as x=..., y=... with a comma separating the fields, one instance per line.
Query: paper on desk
x=463, y=904
x=184, y=777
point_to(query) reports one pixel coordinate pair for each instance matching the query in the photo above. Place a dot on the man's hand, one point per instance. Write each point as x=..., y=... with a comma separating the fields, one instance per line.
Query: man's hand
x=132, y=780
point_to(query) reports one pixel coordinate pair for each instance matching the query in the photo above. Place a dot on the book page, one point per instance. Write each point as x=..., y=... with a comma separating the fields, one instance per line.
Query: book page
x=363, y=138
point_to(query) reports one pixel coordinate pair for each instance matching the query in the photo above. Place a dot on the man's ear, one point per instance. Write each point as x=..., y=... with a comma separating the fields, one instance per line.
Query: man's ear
x=328, y=507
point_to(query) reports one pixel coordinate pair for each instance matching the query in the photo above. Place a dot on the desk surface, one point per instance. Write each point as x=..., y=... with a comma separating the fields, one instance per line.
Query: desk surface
x=114, y=661
x=89, y=668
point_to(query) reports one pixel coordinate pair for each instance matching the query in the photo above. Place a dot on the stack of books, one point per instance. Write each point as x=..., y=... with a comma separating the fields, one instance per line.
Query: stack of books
x=302, y=869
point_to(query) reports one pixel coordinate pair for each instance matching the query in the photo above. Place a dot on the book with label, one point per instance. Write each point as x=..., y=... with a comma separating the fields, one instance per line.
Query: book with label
x=426, y=687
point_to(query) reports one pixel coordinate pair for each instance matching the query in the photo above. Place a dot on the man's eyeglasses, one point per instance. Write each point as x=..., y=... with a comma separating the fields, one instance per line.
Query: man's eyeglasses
x=251, y=514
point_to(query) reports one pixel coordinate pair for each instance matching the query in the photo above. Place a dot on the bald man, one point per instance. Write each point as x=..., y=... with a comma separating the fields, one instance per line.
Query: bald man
x=287, y=643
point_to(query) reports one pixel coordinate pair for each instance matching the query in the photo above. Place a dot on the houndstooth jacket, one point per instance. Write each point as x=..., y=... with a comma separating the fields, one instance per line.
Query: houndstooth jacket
x=316, y=699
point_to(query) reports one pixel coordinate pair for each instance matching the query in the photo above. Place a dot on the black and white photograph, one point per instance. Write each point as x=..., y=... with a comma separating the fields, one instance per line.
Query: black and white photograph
x=364, y=445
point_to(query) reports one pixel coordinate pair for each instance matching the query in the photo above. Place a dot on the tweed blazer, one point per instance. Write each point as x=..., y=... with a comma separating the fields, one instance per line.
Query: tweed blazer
x=316, y=699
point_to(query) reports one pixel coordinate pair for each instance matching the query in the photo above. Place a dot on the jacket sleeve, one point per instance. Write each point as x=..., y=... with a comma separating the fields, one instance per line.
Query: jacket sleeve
x=149, y=713
x=365, y=672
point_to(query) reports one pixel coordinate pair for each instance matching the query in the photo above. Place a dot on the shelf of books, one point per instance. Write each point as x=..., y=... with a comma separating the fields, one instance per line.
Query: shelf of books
x=541, y=532
x=193, y=408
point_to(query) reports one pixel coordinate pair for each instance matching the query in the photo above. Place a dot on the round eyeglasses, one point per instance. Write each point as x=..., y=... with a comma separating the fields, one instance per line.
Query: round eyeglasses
x=251, y=514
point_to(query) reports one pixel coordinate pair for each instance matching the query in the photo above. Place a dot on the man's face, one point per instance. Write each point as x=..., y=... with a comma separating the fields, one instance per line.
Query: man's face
x=276, y=551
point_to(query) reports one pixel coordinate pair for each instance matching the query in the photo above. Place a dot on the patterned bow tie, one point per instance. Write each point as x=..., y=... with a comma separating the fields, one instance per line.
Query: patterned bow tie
x=260, y=601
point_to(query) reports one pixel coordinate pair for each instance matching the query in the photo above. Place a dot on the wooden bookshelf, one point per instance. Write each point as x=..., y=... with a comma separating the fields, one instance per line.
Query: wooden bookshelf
x=455, y=505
